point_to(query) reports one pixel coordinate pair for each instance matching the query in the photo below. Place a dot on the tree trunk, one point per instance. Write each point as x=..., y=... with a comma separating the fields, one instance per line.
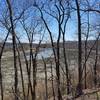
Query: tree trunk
x=79, y=86
x=14, y=48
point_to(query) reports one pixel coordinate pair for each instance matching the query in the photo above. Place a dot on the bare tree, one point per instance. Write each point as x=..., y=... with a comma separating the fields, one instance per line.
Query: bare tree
x=55, y=56
x=21, y=71
x=1, y=52
x=14, y=46
x=52, y=79
x=45, y=70
x=95, y=65
x=79, y=87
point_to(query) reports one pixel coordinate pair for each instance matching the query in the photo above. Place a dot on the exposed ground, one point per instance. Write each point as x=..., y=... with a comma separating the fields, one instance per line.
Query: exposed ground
x=8, y=78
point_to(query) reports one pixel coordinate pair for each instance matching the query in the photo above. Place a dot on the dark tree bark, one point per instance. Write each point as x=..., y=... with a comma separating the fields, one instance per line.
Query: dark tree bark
x=1, y=85
x=27, y=68
x=55, y=55
x=66, y=65
x=14, y=47
x=34, y=64
x=52, y=79
x=58, y=55
x=46, y=87
x=21, y=72
x=79, y=86
x=1, y=52
x=86, y=48
x=95, y=65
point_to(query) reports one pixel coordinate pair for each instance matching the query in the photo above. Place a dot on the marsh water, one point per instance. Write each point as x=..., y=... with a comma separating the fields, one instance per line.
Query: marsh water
x=45, y=53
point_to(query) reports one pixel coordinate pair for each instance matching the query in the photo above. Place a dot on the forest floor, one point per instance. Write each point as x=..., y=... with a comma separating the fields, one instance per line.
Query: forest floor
x=8, y=80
